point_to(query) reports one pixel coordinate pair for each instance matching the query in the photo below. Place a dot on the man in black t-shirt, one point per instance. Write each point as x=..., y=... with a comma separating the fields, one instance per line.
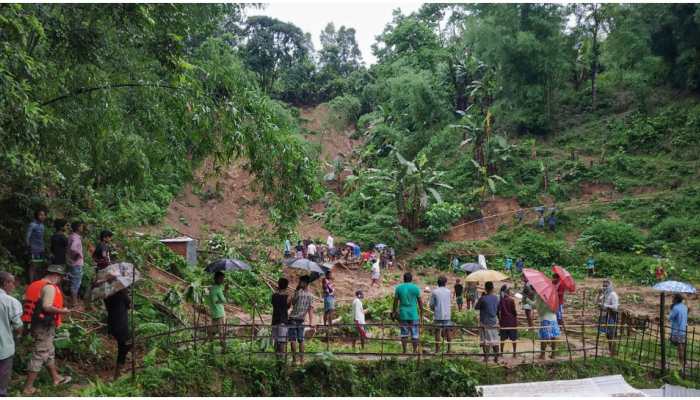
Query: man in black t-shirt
x=459, y=290
x=59, y=242
x=280, y=305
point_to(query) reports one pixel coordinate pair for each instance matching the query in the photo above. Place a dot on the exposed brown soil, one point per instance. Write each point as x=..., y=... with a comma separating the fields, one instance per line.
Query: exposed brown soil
x=333, y=143
x=597, y=191
x=217, y=201
x=496, y=212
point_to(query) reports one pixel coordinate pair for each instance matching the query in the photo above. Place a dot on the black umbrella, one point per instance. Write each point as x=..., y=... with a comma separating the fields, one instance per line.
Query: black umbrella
x=304, y=264
x=227, y=265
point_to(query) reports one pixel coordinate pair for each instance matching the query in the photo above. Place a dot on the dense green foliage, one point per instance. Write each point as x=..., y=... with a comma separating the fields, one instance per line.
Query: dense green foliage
x=107, y=110
x=238, y=375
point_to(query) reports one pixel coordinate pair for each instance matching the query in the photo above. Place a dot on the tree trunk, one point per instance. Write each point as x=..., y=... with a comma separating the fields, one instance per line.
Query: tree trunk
x=596, y=54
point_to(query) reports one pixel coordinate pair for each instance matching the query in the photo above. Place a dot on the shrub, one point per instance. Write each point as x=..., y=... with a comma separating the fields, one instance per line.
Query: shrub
x=344, y=111
x=538, y=250
x=611, y=236
x=676, y=229
x=440, y=218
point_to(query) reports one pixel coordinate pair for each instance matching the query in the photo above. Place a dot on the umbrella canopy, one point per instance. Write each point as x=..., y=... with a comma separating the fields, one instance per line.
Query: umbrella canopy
x=379, y=246
x=565, y=277
x=543, y=286
x=674, y=287
x=471, y=267
x=113, y=278
x=486, y=275
x=351, y=244
x=226, y=265
x=304, y=264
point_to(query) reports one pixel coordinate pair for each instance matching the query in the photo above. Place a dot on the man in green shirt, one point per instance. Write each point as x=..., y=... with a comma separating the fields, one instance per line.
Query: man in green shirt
x=407, y=300
x=216, y=301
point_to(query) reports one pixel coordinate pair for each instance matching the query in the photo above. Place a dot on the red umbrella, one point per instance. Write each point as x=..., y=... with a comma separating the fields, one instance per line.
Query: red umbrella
x=567, y=281
x=543, y=286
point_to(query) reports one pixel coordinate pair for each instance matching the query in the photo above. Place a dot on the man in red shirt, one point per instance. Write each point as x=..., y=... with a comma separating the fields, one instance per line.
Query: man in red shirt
x=508, y=320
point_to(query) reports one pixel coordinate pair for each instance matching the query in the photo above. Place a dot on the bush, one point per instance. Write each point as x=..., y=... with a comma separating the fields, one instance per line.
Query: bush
x=611, y=236
x=440, y=218
x=676, y=229
x=538, y=250
x=628, y=267
x=344, y=111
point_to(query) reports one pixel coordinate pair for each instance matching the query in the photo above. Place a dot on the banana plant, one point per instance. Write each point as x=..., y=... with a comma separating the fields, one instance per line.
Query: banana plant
x=417, y=184
x=486, y=182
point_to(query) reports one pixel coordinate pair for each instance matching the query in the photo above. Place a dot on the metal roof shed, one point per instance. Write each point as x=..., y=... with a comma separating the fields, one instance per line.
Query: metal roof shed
x=184, y=246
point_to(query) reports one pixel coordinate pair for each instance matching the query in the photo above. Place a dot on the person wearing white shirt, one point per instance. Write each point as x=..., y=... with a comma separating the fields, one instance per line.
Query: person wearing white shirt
x=311, y=251
x=358, y=315
x=329, y=242
x=375, y=273
x=10, y=322
x=609, y=304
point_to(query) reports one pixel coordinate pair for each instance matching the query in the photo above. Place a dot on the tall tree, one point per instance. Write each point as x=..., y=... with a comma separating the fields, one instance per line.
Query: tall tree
x=272, y=46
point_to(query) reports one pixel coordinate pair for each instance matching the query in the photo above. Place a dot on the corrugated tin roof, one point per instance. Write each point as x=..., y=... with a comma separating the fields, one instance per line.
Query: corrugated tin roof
x=601, y=386
x=177, y=240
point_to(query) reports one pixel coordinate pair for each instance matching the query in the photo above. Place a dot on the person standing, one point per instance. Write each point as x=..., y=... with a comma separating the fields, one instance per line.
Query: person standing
x=455, y=263
x=216, y=300
x=590, y=266
x=102, y=254
x=410, y=311
x=508, y=265
x=376, y=273
x=311, y=251
x=549, y=329
x=280, y=307
x=556, y=280
x=59, y=242
x=609, y=305
x=471, y=295
x=10, y=324
x=482, y=261
x=488, y=319
x=528, y=299
x=299, y=248
x=117, y=306
x=519, y=265
x=328, y=299
x=287, y=248
x=358, y=315
x=679, y=326
x=75, y=260
x=441, y=304
x=35, y=244
x=306, y=243
x=508, y=320
x=459, y=294
x=302, y=305
x=43, y=309
x=330, y=242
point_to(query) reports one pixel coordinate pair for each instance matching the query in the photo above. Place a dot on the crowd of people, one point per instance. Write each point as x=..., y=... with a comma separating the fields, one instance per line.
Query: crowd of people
x=498, y=314
x=50, y=273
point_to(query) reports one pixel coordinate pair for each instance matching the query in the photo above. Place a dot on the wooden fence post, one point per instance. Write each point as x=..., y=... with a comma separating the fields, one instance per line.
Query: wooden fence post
x=662, y=333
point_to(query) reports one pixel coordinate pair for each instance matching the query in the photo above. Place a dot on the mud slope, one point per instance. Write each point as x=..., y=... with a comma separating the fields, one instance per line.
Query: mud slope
x=216, y=202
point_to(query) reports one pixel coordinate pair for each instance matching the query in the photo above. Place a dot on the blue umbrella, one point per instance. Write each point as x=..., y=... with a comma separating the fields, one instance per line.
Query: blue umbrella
x=303, y=263
x=227, y=265
x=674, y=287
x=380, y=246
x=471, y=267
